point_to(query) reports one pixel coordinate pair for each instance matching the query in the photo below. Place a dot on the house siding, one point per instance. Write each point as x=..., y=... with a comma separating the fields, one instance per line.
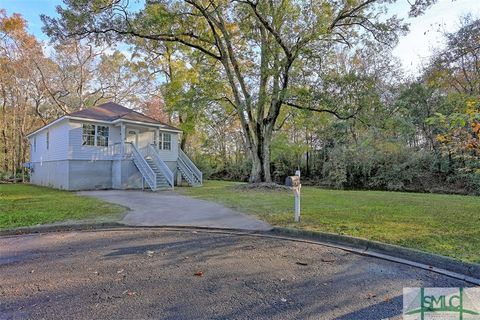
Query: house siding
x=58, y=143
x=76, y=151
x=170, y=155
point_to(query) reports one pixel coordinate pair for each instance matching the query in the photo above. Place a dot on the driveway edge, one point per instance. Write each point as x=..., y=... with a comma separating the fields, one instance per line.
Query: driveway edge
x=413, y=257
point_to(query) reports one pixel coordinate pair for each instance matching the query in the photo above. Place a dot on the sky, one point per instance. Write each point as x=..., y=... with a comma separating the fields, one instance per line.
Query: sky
x=413, y=49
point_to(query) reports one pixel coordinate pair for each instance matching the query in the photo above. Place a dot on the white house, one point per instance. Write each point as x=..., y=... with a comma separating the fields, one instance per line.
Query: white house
x=109, y=147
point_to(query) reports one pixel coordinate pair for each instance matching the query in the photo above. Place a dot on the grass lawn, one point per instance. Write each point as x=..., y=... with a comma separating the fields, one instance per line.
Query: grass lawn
x=444, y=224
x=27, y=205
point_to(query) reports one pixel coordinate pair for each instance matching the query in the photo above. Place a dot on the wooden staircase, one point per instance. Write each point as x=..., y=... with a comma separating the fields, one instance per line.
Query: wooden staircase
x=153, y=169
x=162, y=182
x=189, y=171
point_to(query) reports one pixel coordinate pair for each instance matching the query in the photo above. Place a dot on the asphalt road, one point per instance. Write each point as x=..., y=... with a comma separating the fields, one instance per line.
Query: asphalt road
x=150, y=274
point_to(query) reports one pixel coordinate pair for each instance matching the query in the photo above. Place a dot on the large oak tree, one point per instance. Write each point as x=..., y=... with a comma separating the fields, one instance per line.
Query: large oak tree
x=259, y=47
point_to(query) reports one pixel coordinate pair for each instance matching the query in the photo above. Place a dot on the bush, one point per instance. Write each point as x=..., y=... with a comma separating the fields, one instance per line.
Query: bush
x=394, y=167
x=19, y=176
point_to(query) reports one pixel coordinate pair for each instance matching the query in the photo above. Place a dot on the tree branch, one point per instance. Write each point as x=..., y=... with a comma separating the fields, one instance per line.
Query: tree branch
x=333, y=112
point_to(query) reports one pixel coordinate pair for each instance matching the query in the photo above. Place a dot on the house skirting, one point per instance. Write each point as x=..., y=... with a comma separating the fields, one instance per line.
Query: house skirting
x=89, y=175
x=50, y=174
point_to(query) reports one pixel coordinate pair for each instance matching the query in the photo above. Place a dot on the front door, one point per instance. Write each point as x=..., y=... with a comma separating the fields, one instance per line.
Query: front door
x=132, y=136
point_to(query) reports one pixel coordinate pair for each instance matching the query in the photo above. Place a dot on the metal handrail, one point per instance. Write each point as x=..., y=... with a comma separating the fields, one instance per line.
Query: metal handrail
x=190, y=165
x=167, y=173
x=147, y=172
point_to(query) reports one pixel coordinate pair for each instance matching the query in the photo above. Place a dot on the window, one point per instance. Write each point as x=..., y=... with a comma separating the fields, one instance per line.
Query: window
x=102, y=136
x=34, y=144
x=88, y=135
x=48, y=139
x=93, y=135
x=165, y=142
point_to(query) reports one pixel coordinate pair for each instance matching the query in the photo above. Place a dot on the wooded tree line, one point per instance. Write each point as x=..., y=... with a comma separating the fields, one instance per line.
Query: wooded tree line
x=419, y=134
x=39, y=84
x=261, y=88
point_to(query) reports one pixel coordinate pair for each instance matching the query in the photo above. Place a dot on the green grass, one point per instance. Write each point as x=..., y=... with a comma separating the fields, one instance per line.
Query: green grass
x=27, y=205
x=444, y=224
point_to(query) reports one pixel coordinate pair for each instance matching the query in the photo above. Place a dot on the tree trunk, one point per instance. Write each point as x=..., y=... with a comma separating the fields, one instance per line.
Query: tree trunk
x=257, y=168
x=260, y=157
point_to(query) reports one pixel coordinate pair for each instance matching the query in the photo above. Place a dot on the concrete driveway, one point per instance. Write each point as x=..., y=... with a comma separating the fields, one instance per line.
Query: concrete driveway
x=167, y=208
x=187, y=274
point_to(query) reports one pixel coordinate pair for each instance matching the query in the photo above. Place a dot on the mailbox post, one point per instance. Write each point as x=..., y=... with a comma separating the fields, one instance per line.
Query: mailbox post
x=294, y=183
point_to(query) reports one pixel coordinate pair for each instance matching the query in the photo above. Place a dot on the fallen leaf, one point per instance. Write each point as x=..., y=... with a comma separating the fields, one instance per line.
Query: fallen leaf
x=371, y=295
x=328, y=259
x=301, y=263
x=120, y=271
x=283, y=300
x=198, y=274
x=150, y=253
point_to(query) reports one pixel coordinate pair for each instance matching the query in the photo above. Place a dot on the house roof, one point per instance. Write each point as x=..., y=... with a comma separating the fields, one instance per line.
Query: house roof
x=109, y=112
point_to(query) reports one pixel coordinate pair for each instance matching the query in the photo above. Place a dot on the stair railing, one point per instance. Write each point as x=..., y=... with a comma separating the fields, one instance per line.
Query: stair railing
x=147, y=173
x=195, y=173
x=152, y=152
x=185, y=170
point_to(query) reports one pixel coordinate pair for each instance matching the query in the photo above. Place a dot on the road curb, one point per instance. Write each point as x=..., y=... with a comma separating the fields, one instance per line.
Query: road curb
x=431, y=261
x=439, y=264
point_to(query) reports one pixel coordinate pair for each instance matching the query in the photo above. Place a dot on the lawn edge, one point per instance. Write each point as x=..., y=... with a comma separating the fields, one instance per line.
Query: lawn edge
x=410, y=256
x=81, y=226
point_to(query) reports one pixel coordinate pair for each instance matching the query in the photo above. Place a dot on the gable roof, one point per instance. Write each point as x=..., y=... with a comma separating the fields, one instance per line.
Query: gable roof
x=111, y=111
